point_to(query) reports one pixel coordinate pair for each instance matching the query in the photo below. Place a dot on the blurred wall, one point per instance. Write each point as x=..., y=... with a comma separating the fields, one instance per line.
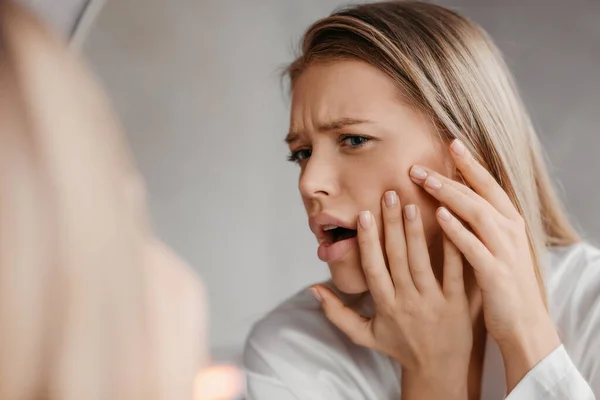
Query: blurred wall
x=62, y=15
x=197, y=86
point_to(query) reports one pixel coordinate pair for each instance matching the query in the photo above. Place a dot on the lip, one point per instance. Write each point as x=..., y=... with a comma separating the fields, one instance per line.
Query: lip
x=317, y=221
x=332, y=252
x=327, y=251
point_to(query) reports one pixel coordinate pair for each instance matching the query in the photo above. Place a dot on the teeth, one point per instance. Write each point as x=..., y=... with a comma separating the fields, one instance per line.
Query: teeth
x=329, y=227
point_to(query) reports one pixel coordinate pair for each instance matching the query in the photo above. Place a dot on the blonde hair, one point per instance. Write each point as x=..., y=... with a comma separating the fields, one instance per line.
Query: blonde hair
x=448, y=67
x=87, y=310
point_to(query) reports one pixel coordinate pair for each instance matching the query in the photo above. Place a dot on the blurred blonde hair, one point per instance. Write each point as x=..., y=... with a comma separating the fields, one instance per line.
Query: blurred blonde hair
x=92, y=306
x=448, y=67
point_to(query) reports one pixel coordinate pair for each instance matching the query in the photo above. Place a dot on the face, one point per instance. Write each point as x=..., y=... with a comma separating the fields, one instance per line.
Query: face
x=354, y=139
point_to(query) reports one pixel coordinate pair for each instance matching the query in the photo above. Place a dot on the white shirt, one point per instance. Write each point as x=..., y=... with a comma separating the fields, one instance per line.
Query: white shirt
x=295, y=353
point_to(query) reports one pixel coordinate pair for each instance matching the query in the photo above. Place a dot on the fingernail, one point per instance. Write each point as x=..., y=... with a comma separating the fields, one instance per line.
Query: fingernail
x=433, y=183
x=444, y=214
x=458, y=148
x=391, y=198
x=418, y=173
x=364, y=218
x=410, y=211
x=315, y=294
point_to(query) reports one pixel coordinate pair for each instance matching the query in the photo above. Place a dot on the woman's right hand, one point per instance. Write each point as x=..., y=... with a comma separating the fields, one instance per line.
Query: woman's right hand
x=425, y=327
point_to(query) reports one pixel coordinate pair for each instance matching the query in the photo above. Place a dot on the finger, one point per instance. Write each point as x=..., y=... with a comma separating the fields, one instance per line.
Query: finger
x=457, y=196
x=469, y=245
x=395, y=242
x=356, y=327
x=469, y=206
x=481, y=180
x=453, y=282
x=418, y=253
x=373, y=264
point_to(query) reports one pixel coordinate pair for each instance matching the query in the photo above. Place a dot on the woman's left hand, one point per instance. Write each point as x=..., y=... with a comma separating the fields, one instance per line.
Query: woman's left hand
x=498, y=250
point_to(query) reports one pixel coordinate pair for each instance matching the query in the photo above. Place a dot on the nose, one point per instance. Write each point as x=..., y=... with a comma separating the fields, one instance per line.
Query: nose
x=318, y=179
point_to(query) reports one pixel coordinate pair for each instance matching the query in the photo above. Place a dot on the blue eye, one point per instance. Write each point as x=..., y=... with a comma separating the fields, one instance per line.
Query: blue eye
x=299, y=155
x=351, y=141
x=354, y=140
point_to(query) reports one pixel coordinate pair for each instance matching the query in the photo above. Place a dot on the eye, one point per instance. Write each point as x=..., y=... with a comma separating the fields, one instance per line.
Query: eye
x=353, y=140
x=298, y=156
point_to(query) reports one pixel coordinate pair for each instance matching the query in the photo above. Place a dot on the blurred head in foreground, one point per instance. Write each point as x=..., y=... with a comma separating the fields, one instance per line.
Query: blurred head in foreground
x=92, y=304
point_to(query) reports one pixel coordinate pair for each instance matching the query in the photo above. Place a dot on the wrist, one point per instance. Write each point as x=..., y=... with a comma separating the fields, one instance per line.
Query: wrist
x=425, y=384
x=525, y=348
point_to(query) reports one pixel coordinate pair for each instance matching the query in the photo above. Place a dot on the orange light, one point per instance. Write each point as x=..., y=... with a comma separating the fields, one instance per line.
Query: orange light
x=223, y=382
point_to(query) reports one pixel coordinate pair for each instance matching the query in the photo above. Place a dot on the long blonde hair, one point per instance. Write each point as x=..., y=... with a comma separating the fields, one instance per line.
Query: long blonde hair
x=448, y=67
x=87, y=310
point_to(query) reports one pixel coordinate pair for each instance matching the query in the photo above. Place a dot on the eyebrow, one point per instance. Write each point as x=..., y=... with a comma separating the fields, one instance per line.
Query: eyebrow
x=293, y=136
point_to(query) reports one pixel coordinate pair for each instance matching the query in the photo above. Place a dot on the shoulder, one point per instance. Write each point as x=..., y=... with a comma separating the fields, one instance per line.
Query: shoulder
x=175, y=309
x=297, y=333
x=573, y=283
x=296, y=345
x=572, y=269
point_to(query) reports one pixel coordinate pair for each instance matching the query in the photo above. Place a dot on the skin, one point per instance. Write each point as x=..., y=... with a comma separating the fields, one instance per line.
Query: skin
x=337, y=178
x=426, y=306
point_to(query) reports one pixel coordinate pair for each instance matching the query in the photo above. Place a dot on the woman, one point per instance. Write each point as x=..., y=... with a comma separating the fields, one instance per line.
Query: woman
x=92, y=304
x=455, y=272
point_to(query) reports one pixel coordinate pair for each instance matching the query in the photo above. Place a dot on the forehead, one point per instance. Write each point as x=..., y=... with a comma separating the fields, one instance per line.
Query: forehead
x=341, y=89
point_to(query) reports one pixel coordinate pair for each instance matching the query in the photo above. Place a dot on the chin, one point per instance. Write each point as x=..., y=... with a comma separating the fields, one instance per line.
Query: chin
x=347, y=274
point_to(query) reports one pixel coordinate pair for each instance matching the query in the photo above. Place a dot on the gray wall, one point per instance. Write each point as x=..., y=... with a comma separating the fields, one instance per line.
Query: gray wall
x=62, y=15
x=197, y=86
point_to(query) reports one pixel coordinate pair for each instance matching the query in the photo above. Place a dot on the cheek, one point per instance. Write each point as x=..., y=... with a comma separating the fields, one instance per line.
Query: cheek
x=414, y=194
x=432, y=227
x=411, y=193
x=399, y=180
x=306, y=203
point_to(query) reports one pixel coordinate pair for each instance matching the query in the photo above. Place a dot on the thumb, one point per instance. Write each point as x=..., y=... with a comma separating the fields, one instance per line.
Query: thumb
x=355, y=326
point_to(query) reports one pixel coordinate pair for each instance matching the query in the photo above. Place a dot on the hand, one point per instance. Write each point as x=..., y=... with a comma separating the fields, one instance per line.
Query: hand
x=423, y=326
x=499, y=252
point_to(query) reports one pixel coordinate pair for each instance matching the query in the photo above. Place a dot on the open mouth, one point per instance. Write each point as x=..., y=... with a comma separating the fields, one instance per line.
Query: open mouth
x=337, y=233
